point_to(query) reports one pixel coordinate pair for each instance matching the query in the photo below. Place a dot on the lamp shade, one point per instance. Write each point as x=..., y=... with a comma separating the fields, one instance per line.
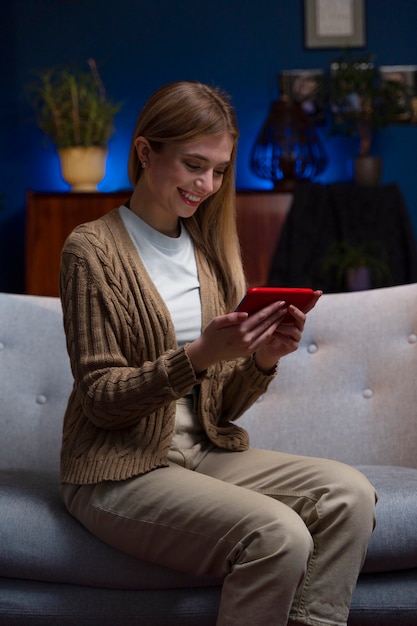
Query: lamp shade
x=287, y=148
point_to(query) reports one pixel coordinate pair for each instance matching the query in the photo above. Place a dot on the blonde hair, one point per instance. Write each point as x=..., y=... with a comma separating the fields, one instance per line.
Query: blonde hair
x=183, y=112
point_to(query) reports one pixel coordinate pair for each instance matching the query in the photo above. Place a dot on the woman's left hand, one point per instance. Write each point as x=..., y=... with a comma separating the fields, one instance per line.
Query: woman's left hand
x=285, y=339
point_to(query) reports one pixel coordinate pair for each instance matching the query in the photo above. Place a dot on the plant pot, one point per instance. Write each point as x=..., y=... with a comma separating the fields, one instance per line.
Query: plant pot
x=358, y=278
x=83, y=168
x=367, y=170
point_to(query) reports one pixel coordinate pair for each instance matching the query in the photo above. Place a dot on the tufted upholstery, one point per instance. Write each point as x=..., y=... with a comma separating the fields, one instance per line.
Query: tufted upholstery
x=348, y=393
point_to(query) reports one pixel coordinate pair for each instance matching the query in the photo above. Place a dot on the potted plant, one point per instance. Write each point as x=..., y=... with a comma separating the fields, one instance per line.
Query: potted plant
x=72, y=109
x=361, y=100
x=355, y=267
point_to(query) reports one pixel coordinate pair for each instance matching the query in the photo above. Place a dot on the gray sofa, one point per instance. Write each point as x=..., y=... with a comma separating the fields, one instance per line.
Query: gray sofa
x=348, y=393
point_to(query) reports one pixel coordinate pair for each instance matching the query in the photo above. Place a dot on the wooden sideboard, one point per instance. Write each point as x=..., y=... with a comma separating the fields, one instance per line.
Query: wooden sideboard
x=50, y=217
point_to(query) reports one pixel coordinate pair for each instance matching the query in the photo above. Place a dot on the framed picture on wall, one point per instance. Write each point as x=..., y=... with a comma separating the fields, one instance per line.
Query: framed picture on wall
x=407, y=76
x=334, y=23
x=305, y=87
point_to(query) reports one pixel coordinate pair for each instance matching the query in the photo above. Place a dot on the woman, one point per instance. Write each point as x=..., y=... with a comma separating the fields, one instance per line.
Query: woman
x=152, y=460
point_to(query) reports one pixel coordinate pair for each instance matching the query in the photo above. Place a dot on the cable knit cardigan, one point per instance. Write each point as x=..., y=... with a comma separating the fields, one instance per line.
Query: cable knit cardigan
x=128, y=369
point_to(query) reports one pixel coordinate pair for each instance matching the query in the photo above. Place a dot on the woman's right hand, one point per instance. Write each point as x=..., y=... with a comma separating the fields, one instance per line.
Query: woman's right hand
x=235, y=335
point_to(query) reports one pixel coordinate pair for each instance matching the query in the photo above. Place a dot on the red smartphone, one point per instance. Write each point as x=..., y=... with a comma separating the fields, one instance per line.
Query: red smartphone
x=258, y=297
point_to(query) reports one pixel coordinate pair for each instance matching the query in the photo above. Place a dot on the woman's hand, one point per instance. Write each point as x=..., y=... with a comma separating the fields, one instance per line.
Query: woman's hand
x=235, y=335
x=263, y=334
x=285, y=339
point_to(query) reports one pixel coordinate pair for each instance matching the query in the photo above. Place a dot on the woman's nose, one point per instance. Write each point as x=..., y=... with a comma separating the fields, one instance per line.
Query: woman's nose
x=205, y=182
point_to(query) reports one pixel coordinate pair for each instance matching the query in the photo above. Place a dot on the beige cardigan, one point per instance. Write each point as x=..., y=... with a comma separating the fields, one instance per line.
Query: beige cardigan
x=128, y=369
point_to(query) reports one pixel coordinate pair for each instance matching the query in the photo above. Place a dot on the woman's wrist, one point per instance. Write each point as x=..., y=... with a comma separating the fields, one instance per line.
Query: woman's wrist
x=197, y=357
x=266, y=367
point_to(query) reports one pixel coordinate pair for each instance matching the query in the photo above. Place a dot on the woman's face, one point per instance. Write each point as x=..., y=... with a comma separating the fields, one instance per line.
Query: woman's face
x=178, y=179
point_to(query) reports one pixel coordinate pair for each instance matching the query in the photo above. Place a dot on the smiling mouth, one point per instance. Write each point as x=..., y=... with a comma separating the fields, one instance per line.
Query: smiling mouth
x=190, y=198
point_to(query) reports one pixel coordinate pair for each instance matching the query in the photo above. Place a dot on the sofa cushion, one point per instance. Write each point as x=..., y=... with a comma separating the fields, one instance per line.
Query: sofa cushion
x=39, y=540
x=393, y=545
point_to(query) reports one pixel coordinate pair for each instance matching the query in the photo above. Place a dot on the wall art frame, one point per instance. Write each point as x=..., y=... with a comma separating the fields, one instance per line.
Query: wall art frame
x=407, y=75
x=334, y=24
x=305, y=86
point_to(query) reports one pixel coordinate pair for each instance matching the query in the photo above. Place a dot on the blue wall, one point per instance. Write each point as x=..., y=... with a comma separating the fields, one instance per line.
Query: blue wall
x=239, y=45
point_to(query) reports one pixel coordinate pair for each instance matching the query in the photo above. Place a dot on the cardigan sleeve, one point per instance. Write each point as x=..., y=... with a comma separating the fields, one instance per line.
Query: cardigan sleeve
x=242, y=386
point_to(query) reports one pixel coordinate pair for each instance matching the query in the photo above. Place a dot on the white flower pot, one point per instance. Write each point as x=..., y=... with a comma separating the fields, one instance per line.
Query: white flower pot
x=83, y=168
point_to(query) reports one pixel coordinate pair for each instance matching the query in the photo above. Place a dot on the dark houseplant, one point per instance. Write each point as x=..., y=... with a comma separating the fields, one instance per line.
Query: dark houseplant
x=356, y=266
x=362, y=100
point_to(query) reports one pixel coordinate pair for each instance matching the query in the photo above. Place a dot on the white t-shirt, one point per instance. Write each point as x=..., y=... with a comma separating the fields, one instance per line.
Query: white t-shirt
x=171, y=264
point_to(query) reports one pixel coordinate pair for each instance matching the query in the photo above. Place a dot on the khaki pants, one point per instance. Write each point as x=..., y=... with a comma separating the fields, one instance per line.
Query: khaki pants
x=287, y=534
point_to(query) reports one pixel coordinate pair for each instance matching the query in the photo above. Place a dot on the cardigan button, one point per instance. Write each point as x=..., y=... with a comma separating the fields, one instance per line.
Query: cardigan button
x=1, y=345
x=412, y=338
x=41, y=399
x=312, y=348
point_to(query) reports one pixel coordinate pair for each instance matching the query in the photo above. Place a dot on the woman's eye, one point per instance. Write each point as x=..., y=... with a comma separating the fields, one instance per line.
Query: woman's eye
x=195, y=167
x=192, y=166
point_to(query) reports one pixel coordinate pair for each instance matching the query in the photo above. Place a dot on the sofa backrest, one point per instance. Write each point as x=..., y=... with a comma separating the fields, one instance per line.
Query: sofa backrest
x=348, y=393
x=350, y=390
x=35, y=381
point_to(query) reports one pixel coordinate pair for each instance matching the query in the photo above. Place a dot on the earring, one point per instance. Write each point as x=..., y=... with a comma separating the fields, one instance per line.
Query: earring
x=143, y=164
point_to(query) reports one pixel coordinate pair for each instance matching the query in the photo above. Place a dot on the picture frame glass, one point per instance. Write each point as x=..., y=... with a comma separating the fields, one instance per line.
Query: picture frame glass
x=305, y=86
x=334, y=23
